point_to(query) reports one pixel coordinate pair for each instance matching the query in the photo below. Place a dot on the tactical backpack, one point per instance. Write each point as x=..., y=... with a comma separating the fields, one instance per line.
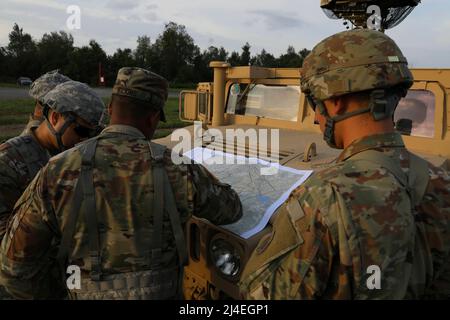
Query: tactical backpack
x=156, y=284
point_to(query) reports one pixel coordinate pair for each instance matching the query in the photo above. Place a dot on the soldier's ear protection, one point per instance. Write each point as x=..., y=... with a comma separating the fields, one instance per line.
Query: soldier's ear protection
x=378, y=105
x=382, y=103
x=314, y=103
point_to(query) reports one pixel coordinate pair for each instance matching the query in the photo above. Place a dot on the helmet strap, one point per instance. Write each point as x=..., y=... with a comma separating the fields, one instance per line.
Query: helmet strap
x=58, y=134
x=328, y=134
x=383, y=105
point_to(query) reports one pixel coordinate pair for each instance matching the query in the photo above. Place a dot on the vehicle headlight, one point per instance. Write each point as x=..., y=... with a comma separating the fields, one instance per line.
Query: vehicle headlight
x=225, y=257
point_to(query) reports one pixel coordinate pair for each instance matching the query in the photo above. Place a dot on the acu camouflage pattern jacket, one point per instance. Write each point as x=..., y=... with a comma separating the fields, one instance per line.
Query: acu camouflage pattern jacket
x=349, y=217
x=124, y=191
x=21, y=158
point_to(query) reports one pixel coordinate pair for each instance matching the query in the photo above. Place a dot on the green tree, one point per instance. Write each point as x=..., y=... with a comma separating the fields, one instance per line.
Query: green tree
x=141, y=54
x=4, y=65
x=201, y=63
x=146, y=56
x=20, y=42
x=121, y=58
x=234, y=59
x=264, y=59
x=22, y=51
x=245, y=55
x=85, y=61
x=54, y=51
x=292, y=59
x=176, y=50
x=304, y=53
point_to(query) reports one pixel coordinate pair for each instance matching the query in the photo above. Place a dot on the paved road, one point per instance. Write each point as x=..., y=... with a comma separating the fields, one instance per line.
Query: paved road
x=22, y=93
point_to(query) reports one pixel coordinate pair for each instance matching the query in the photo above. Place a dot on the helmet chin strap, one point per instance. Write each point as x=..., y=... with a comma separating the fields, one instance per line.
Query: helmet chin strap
x=59, y=133
x=328, y=134
x=381, y=106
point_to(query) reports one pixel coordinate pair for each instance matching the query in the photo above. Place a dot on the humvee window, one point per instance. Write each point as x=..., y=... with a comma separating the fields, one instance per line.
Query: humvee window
x=273, y=102
x=202, y=102
x=418, y=106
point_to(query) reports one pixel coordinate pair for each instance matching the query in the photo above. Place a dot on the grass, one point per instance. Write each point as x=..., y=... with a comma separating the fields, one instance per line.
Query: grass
x=10, y=85
x=14, y=115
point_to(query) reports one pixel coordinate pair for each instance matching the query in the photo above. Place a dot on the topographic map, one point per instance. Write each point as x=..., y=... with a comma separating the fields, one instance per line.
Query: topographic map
x=262, y=186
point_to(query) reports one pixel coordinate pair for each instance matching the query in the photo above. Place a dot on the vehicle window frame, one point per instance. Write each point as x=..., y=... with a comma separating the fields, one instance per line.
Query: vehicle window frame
x=266, y=82
x=439, y=101
x=433, y=136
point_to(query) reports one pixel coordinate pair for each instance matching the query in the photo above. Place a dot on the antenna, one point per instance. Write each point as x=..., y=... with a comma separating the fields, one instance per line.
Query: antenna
x=385, y=14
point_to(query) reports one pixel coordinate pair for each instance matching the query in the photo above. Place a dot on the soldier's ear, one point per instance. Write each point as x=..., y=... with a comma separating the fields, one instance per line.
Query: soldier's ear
x=54, y=117
x=334, y=106
x=340, y=105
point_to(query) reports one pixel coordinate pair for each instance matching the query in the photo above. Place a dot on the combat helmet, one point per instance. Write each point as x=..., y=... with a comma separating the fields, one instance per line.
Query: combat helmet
x=73, y=98
x=355, y=61
x=45, y=83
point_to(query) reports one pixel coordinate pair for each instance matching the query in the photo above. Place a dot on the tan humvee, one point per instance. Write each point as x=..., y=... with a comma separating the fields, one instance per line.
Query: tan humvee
x=270, y=98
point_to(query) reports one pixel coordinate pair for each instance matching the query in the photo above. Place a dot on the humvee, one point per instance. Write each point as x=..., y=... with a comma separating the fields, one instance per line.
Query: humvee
x=249, y=97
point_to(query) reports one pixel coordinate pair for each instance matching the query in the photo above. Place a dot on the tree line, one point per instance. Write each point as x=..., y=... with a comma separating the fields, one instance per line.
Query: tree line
x=173, y=54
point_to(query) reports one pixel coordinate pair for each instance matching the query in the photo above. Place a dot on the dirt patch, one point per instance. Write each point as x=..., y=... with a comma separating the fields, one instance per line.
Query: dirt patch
x=10, y=130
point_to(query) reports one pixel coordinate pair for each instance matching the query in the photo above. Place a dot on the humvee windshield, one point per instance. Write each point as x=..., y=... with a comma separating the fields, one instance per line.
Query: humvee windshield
x=273, y=102
x=418, y=106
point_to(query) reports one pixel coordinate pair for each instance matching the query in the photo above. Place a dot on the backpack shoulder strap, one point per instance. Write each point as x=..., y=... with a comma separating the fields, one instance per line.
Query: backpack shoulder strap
x=79, y=197
x=164, y=199
x=89, y=208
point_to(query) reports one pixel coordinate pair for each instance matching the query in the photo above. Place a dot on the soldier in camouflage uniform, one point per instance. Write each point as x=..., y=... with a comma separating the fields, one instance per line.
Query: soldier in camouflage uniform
x=380, y=210
x=71, y=110
x=38, y=89
x=114, y=206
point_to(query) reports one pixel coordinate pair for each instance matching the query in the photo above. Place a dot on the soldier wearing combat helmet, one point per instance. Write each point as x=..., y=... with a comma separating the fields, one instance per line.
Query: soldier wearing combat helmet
x=38, y=89
x=114, y=205
x=375, y=224
x=71, y=111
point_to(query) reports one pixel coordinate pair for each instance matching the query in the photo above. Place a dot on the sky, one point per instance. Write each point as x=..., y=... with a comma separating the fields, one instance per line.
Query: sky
x=424, y=36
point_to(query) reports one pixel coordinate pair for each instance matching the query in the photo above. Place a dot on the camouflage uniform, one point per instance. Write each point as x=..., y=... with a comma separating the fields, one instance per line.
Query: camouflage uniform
x=38, y=89
x=126, y=195
x=379, y=205
x=22, y=157
x=347, y=218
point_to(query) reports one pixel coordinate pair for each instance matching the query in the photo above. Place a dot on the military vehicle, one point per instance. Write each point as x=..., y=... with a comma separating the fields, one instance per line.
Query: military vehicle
x=270, y=98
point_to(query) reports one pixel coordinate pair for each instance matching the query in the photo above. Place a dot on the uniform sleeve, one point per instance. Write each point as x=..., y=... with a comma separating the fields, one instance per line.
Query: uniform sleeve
x=351, y=247
x=294, y=261
x=433, y=225
x=10, y=191
x=28, y=251
x=213, y=200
